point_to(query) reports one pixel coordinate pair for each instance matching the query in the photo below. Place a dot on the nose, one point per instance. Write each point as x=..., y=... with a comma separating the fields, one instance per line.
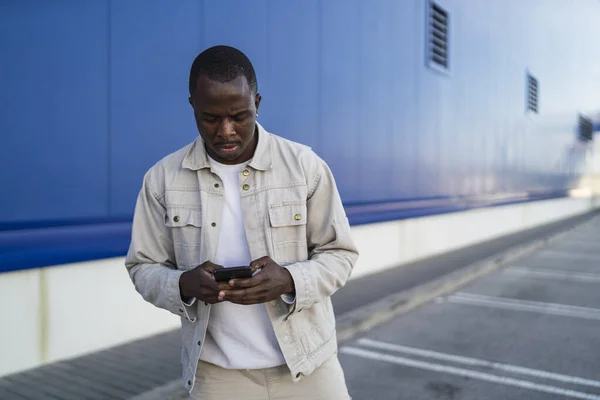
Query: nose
x=226, y=128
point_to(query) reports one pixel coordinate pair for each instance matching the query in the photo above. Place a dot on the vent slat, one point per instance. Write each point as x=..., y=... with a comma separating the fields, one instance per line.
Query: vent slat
x=532, y=94
x=438, y=35
x=440, y=44
x=439, y=54
x=441, y=19
x=440, y=61
x=437, y=9
x=438, y=27
x=586, y=129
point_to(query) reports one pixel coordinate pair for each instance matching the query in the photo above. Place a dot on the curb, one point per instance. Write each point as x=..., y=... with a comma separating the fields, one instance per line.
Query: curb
x=365, y=318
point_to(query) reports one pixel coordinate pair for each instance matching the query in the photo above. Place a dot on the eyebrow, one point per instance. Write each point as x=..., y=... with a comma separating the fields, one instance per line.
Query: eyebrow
x=205, y=113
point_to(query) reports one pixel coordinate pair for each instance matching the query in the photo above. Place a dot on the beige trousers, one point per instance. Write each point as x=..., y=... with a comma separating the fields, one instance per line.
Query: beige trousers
x=214, y=383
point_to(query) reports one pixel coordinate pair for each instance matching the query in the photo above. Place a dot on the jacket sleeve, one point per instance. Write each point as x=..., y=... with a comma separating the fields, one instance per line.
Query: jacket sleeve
x=150, y=260
x=332, y=253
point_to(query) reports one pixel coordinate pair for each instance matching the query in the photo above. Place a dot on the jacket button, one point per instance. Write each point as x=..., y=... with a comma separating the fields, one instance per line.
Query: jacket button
x=213, y=224
x=176, y=218
x=181, y=310
x=189, y=383
x=245, y=172
x=246, y=187
x=216, y=185
x=297, y=217
x=199, y=342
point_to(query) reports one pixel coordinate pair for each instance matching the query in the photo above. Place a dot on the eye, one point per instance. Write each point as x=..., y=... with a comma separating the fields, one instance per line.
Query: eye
x=211, y=119
x=240, y=117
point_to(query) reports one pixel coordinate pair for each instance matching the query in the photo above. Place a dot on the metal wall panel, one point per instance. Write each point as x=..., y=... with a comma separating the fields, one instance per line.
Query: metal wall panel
x=291, y=101
x=53, y=110
x=340, y=111
x=152, y=49
x=94, y=93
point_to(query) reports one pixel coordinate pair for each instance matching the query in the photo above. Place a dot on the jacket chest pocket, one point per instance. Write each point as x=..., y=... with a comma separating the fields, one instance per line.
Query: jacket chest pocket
x=288, y=231
x=186, y=232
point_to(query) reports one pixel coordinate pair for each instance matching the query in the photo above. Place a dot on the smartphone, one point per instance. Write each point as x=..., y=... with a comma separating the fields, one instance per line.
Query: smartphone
x=225, y=274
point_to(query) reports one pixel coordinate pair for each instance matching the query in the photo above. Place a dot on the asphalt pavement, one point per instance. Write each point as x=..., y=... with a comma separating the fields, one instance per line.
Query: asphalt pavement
x=527, y=331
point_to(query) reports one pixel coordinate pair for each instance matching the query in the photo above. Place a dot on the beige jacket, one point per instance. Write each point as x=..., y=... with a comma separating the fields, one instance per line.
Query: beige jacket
x=292, y=213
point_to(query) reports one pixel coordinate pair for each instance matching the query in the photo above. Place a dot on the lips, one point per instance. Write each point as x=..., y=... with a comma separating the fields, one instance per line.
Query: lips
x=228, y=147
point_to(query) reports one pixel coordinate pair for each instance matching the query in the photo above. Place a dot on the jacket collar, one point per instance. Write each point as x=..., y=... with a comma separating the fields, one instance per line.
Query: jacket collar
x=197, y=157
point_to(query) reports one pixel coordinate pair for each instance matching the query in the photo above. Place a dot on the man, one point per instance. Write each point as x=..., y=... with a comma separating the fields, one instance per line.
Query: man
x=237, y=196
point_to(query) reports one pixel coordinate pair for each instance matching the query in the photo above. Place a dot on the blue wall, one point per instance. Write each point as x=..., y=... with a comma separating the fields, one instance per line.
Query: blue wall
x=95, y=92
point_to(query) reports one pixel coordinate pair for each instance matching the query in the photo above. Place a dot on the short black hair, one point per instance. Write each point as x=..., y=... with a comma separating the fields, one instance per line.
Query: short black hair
x=223, y=64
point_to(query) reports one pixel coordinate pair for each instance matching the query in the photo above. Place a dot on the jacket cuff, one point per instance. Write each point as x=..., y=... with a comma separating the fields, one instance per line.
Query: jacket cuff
x=176, y=304
x=302, y=287
x=288, y=298
x=189, y=303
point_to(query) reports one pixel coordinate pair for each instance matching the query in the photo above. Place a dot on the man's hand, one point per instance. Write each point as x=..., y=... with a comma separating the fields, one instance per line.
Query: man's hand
x=199, y=283
x=269, y=283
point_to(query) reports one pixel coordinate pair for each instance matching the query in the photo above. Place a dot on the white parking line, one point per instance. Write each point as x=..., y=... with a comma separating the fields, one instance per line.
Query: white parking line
x=583, y=239
x=580, y=248
x=467, y=373
x=525, y=305
x=554, y=274
x=570, y=254
x=576, y=246
x=476, y=362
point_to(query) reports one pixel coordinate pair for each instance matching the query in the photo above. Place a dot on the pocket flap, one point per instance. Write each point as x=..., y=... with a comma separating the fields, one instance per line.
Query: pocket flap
x=287, y=215
x=177, y=217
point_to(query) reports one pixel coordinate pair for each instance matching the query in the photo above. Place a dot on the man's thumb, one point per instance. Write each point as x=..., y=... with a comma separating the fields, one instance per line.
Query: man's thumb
x=258, y=264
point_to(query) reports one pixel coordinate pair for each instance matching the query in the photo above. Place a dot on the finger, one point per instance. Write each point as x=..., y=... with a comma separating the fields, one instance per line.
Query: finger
x=259, y=263
x=206, y=273
x=244, y=296
x=209, y=280
x=245, y=283
x=249, y=299
x=209, y=296
x=212, y=301
x=210, y=267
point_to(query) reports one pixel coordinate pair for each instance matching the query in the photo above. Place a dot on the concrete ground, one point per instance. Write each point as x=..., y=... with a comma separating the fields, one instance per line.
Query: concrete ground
x=528, y=331
x=547, y=338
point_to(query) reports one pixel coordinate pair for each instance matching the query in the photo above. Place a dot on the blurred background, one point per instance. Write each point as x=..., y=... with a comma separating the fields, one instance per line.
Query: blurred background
x=446, y=123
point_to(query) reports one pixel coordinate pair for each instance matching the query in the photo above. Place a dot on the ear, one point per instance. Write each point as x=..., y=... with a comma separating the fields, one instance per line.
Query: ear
x=257, y=100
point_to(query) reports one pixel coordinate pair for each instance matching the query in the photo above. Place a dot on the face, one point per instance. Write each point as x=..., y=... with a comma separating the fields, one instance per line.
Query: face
x=226, y=118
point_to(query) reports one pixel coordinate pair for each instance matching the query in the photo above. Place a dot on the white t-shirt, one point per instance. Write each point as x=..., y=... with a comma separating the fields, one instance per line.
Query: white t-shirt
x=238, y=336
